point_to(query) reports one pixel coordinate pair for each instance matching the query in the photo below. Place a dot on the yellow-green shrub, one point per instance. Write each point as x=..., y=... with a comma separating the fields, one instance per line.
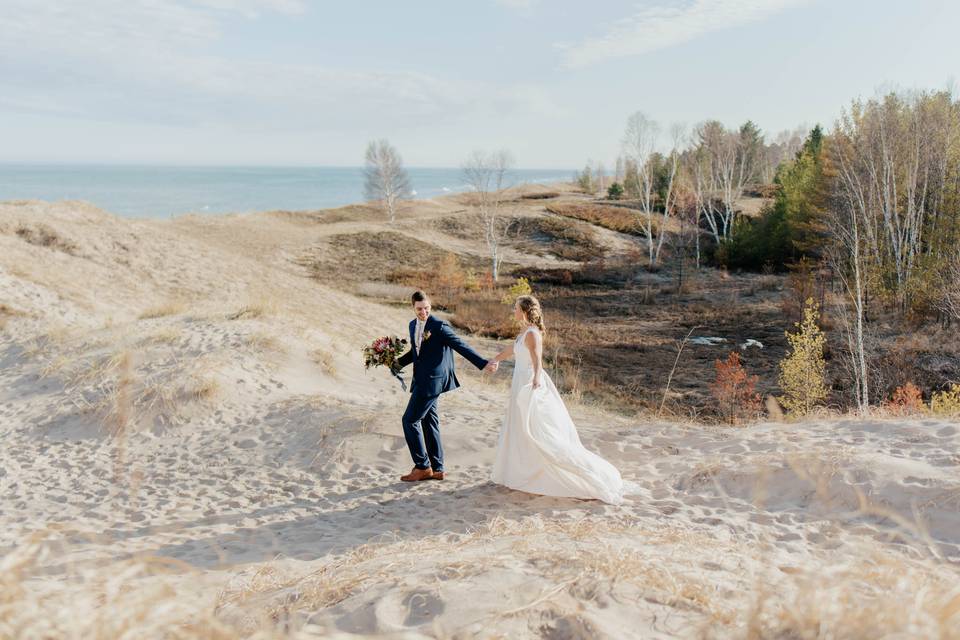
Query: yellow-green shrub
x=802, y=370
x=946, y=403
x=520, y=288
x=471, y=282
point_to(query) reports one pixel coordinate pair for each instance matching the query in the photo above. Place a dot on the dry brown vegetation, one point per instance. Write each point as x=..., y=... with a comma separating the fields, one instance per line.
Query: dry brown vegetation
x=273, y=510
x=565, y=240
x=613, y=327
x=544, y=195
x=384, y=257
x=615, y=218
x=258, y=305
x=659, y=567
x=7, y=312
x=169, y=308
x=538, y=235
x=42, y=235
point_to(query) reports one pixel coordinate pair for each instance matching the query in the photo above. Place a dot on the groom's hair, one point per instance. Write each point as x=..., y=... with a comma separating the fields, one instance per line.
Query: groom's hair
x=418, y=296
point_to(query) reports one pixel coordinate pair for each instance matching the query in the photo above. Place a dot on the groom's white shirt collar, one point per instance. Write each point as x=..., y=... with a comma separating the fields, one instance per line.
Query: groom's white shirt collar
x=418, y=331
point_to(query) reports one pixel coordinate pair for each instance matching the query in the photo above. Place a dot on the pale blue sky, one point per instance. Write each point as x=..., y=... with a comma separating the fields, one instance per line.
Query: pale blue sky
x=301, y=82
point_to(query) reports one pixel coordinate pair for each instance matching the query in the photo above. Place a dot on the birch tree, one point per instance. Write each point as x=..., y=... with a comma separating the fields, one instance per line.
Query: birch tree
x=703, y=187
x=385, y=179
x=600, y=178
x=846, y=260
x=487, y=174
x=670, y=192
x=732, y=163
x=785, y=146
x=639, y=143
x=896, y=166
x=949, y=302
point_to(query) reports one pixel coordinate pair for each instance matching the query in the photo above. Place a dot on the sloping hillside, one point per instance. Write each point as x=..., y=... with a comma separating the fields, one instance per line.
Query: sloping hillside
x=193, y=449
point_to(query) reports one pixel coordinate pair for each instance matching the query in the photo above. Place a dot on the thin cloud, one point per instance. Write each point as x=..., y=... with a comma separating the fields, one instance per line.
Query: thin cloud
x=517, y=4
x=152, y=61
x=660, y=27
x=253, y=8
x=525, y=6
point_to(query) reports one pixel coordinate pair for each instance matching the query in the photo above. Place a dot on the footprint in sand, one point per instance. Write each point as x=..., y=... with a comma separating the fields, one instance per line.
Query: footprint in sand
x=422, y=607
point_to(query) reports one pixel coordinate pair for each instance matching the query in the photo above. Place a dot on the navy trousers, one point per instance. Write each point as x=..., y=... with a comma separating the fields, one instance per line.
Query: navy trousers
x=421, y=428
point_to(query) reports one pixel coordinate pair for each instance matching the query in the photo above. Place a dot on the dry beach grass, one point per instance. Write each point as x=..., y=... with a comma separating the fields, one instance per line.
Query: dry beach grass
x=192, y=449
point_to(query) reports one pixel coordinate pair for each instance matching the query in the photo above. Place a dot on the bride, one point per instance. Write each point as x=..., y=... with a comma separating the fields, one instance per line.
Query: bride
x=539, y=450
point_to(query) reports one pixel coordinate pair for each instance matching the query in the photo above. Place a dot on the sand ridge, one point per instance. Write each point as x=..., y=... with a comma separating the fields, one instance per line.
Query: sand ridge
x=184, y=412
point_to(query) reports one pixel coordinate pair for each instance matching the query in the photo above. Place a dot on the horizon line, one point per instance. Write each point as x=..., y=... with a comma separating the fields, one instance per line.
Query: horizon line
x=81, y=163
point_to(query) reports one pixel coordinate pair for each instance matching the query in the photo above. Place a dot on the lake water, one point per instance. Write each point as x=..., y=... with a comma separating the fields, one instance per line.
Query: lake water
x=162, y=191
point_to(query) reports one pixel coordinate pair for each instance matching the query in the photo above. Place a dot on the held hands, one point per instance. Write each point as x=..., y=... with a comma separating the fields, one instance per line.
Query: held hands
x=492, y=366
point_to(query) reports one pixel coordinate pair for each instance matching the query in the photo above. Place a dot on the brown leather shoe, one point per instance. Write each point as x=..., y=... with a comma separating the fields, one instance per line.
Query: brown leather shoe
x=437, y=475
x=417, y=475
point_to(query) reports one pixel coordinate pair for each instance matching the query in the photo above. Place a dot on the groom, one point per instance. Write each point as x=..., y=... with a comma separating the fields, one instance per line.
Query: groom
x=432, y=345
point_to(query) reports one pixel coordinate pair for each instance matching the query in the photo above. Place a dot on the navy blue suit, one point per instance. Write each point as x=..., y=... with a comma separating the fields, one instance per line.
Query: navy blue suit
x=433, y=374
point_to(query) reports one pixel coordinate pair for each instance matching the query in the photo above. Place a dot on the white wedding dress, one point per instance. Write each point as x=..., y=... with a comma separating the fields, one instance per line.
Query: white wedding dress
x=539, y=450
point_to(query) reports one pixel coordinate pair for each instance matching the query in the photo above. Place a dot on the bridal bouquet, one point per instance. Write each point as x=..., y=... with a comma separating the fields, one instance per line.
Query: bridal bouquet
x=384, y=352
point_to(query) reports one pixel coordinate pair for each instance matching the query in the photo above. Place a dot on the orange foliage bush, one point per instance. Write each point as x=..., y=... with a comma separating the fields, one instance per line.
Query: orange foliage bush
x=735, y=391
x=906, y=400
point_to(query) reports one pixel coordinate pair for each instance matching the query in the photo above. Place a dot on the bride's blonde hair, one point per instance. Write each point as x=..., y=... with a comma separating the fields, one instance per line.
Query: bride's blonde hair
x=532, y=311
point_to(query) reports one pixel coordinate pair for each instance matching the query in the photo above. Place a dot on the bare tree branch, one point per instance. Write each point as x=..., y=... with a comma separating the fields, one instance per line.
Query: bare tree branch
x=386, y=181
x=487, y=175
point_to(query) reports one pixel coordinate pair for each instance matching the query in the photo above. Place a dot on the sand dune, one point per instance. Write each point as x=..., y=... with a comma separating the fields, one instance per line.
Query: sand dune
x=191, y=448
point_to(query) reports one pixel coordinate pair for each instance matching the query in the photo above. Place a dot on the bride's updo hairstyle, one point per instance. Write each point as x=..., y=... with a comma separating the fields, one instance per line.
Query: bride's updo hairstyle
x=532, y=311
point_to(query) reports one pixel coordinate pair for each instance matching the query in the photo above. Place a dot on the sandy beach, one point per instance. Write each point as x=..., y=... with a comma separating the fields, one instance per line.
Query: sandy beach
x=193, y=449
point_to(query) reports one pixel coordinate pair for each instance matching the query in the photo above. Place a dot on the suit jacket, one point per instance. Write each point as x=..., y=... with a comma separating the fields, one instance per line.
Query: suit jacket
x=433, y=370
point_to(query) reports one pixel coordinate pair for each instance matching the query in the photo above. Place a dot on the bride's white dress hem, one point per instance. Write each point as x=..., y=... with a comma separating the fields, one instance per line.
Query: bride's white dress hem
x=539, y=450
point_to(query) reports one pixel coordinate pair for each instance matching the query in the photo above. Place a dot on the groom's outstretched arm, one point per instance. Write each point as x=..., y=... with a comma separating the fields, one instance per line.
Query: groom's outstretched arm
x=405, y=359
x=457, y=344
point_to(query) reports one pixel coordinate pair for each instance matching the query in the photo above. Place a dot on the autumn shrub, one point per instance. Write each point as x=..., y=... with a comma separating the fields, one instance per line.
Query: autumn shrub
x=450, y=276
x=470, y=281
x=484, y=316
x=947, y=402
x=444, y=281
x=735, y=390
x=906, y=400
x=519, y=288
x=802, y=371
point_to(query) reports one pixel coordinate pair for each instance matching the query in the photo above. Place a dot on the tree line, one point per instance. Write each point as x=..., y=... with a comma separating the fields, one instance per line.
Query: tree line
x=872, y=205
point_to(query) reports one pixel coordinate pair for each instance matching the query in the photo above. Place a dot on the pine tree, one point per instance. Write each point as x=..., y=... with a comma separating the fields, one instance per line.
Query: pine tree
x=804, y=191
x=793, y=226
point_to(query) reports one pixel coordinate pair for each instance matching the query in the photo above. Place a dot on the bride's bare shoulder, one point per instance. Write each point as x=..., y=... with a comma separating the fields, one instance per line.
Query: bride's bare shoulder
x=530, y=336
